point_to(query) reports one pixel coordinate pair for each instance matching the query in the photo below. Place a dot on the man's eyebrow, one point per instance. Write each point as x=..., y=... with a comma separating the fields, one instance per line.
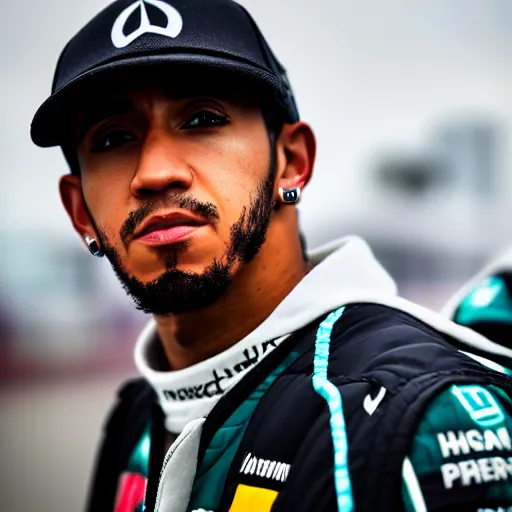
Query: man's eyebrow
x=95, y=112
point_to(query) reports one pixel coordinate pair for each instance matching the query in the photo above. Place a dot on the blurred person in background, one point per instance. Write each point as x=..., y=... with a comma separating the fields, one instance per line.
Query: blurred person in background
x=272, y=378
x=484, y=304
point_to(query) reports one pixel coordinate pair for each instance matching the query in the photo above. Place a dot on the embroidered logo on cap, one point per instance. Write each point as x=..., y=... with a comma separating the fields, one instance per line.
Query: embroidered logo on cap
x=172, y=28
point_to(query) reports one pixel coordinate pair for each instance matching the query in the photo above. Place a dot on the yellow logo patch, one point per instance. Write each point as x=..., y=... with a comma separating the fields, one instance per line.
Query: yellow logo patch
x=252, y=498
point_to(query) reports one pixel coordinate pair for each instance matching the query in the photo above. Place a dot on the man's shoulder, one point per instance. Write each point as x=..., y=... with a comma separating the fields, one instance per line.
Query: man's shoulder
x=369, y=337
x=366, y=320
x=130, y=416
x=135, y=389
x=382, y=344
x=135, y=399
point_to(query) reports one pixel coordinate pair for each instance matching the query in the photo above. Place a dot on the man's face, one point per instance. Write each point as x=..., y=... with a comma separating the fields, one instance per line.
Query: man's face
x=179, y=189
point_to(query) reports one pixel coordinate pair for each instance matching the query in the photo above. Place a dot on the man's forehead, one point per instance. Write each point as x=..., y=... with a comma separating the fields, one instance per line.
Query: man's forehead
x=129, y=96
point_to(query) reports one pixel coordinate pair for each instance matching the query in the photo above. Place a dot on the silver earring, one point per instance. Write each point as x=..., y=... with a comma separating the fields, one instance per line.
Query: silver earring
x=93, y=246
x=289, y=195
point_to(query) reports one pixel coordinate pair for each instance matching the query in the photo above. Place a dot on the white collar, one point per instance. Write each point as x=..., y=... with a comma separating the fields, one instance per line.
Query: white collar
x=340, y=268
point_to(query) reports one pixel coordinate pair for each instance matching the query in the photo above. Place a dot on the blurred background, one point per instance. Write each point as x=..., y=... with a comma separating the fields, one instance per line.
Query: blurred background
x=411, y=102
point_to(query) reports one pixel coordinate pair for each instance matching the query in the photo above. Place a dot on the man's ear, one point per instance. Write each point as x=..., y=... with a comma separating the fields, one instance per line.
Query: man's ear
x=296, y=150
x=72, y=197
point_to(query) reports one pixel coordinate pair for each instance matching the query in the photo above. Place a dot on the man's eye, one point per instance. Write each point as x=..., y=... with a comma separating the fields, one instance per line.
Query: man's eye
x=205, y=119
x=111, y=140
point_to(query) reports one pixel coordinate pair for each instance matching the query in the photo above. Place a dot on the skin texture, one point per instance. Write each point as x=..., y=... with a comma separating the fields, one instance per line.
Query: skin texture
x=211, y=150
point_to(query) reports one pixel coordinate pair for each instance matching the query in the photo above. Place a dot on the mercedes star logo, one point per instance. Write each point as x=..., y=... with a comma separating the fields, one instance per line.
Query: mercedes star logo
x=172, y=29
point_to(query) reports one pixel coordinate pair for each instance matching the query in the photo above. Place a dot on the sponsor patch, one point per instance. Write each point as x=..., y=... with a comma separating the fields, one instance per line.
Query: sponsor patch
x=265, y=468
x=462, y=453
x=479, y=404
x=476, y=471
x=252, y=498
x=453, y=444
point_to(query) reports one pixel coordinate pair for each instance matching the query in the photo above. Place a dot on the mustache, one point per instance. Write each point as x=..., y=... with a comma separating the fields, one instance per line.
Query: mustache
x=207, y=211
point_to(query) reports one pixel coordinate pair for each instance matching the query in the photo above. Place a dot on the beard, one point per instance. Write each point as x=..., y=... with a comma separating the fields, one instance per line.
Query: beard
x=176, y=291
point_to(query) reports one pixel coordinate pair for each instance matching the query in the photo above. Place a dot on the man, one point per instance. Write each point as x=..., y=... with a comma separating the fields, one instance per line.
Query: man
x=273, y=380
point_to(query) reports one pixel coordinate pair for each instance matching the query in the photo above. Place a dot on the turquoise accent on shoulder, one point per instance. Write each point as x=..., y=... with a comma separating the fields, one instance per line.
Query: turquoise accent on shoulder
x=212, y=473
x=331, y=394
x=139, y=458
x=489, y=301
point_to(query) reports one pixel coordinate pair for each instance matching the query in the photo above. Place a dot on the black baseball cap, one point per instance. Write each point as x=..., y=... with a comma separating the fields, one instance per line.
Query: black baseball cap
x=132, y=38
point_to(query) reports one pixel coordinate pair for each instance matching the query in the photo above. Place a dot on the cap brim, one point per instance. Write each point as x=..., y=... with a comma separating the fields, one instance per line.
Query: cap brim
x=51, y=123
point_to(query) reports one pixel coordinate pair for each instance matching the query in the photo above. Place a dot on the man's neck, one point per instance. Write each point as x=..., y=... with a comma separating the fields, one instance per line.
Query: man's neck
x=256, y=291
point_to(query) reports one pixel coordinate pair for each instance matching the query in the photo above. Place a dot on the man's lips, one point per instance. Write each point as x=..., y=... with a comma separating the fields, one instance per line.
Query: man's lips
x=167, y=228
x=168, y=235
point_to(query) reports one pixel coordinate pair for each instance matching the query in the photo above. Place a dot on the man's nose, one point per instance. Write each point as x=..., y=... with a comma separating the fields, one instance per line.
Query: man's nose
x=161, y=166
